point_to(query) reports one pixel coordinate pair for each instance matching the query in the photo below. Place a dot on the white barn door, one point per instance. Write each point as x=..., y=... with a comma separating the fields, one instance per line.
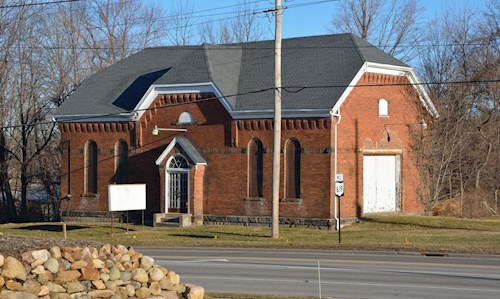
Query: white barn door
x=381, y=175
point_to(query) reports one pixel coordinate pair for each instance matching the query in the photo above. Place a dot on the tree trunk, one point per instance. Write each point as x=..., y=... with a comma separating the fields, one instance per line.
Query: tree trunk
x=9, y=201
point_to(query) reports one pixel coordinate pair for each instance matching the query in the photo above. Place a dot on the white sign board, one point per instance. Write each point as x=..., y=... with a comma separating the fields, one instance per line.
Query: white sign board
x=126, y=197
x=339, y=189
x=339, y=185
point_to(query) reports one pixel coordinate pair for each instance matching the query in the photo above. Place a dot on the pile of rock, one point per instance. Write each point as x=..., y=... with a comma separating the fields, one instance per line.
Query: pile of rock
x=105, y=272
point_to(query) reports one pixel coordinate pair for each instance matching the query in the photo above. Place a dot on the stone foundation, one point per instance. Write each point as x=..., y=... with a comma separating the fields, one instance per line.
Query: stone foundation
x=93, y=216
x=267, y=221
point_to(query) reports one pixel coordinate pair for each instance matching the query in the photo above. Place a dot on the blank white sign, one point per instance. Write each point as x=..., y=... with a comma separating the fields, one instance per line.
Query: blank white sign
x=126, y=197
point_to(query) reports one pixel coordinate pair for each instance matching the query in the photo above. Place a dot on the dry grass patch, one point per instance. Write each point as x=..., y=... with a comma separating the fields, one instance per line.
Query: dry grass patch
x=381, y=232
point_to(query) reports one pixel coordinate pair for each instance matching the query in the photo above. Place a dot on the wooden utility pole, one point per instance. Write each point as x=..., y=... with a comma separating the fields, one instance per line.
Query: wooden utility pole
x=277, y=120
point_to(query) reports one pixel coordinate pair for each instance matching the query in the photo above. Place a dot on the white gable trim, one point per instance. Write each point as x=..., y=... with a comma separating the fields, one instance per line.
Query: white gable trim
x=169, y=149
x=157, y=89
x=386, y=69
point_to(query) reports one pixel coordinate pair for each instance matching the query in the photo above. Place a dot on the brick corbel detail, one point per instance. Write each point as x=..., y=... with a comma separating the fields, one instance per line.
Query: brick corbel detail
x=97, y=127
x=286, y=124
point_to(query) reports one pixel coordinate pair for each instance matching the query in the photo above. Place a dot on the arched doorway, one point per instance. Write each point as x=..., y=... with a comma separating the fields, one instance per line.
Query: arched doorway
x=177, y=184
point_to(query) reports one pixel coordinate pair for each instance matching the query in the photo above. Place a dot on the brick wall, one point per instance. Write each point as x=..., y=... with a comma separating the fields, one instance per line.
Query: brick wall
x=361, y=129
x=221, y=186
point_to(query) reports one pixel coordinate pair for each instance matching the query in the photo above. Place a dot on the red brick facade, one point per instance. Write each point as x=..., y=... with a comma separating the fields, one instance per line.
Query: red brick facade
x=220, y=186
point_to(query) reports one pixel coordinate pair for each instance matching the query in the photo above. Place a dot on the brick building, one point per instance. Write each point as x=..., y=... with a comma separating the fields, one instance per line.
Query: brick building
x=215, y=162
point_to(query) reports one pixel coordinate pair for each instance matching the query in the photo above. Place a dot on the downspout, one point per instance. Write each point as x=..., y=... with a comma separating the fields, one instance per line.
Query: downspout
x=335, y=206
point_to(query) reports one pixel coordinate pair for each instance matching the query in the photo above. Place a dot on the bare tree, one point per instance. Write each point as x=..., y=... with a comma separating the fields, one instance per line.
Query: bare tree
x=391, y=25
x=46, y=52
x=10, y=20
x=181, y=30
x=111, y=30
x=216, y=33
x=244, y=25
x=463, y=161
x=247, y=26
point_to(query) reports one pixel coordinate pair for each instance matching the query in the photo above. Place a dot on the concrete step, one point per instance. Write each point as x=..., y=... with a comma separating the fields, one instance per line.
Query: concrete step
x=168, y=224
x=172, y=220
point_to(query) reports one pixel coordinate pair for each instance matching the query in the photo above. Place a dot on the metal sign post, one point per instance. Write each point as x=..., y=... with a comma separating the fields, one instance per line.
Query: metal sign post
x=339, y=192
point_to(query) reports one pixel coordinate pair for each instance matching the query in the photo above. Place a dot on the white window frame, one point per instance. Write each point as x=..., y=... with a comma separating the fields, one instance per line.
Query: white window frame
x=383, y=108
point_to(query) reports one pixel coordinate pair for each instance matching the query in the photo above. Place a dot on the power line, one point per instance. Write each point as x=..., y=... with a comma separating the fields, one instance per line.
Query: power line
x=232, y=47
x=236, y=15
x=39, y=3
x=289, y=89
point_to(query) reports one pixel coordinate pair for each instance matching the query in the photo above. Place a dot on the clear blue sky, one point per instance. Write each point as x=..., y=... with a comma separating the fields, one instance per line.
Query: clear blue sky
x=314, y=19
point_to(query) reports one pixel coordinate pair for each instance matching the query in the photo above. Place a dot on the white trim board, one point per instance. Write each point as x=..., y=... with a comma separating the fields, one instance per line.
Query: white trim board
x=169, y=148
x=387, y=69
x=155, y=90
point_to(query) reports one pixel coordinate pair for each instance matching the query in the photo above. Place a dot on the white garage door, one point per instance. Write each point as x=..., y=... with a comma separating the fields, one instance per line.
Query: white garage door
x=381, y=183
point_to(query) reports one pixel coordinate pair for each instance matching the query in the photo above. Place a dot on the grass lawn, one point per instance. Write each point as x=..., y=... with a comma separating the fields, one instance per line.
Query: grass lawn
x=381, y=232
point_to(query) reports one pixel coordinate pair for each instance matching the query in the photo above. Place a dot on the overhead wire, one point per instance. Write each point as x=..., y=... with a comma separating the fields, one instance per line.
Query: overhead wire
x=168, y=18
x=39, y=3
x=231, y=47
x=235, y=16
x=289, y=89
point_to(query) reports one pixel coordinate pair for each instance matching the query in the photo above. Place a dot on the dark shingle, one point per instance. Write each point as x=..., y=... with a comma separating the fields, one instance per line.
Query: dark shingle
x=188, y=146
x=327, y=60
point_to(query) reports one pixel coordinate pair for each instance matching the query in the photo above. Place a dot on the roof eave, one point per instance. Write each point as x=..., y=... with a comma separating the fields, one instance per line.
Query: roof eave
x=394, y=70
x=79, y=118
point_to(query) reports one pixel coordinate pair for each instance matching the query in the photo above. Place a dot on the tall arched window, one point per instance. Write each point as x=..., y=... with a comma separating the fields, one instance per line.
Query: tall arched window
x=90, y=167
x=255, y=168
x=292, y=168
x=383, y=108
x=121, y=159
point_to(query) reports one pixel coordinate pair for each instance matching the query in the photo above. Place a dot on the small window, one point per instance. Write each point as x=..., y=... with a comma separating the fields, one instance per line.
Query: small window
x=185, y=118
x=383, y=108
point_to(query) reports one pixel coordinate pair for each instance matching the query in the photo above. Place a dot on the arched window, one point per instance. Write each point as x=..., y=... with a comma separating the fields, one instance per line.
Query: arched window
x=90, y=167
x=178, y=161
x=185, y=118
x=121, y=161
x=255, y=168
x=292, y=168
x=383, y=108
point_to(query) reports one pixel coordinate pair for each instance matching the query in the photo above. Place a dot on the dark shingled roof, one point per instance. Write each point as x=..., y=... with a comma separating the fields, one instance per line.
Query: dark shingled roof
x=188, y=146
x=331, y=60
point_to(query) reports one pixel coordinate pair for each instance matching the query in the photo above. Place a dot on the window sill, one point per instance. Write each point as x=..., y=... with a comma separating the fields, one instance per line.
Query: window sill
x=90, y=196
x=296, y=200
x=254, y=199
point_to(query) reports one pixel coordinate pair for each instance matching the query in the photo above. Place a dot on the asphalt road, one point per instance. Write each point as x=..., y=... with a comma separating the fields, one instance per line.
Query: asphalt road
x=342, y=274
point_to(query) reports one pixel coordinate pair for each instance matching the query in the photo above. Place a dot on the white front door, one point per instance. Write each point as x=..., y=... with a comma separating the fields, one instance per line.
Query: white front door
x=177, y=185
x=177, y=197
x=381, y=183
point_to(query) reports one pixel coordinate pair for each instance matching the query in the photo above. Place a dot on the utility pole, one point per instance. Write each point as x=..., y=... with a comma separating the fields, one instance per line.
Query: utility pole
x=277, y=120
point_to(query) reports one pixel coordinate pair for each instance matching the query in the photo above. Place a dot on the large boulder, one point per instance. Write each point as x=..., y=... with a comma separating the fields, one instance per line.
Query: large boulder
x=6, y=294
x=63, y=277
x=13, y=269
x=194, y=292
